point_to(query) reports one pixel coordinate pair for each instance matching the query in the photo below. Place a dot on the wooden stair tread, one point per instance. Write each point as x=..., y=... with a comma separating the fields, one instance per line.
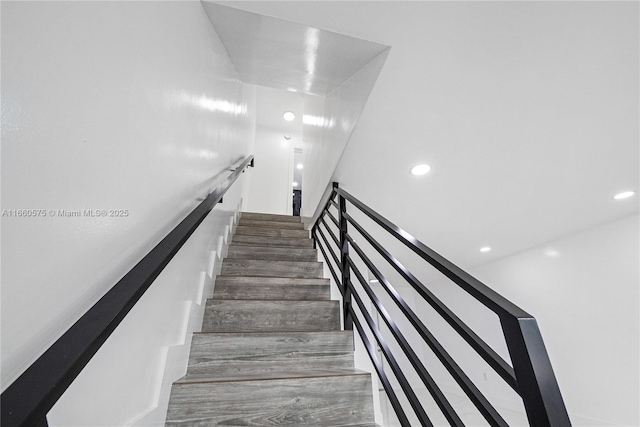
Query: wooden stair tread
x=339, y=400
x=271, y=350
x=271, y=315
x=271, y=224
x=269, y=261
x=270, y=241
x=271, y=232
x=273, y=280
x=271, y=268
x=269, y=217
x=248, y=251
x=271, y=288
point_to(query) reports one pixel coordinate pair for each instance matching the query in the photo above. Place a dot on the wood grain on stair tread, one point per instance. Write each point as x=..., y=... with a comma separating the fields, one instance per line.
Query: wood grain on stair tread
x=316, y=401
x=228, y=290
x=283, y=288
x=271, y=351
x=271, y=253
x=283, y=281
x=252, y=267
x=265, y=315
x=271, y=224
x=228, y=354
x=271, y=232
x=269, y=217
x=287, y=242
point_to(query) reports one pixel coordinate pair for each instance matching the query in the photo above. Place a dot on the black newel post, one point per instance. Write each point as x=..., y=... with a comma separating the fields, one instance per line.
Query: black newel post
x=537, y=383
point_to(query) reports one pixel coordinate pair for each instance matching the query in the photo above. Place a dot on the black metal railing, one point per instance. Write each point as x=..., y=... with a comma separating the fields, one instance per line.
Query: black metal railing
x=530, y=374
x=27, y=400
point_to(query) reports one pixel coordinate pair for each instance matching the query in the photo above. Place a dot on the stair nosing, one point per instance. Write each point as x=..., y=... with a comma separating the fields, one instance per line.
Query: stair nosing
x=262, y=235
x=286, y=218
x=278, y=332
x=251, y=245
x=278, y=277
x=302, y=239
x=282, y=245
x=214, y=381
x=269, y=260
x=274, y=300
x=275, y=277
x=263, y=223
x=270, y=332
x=275, y=228
x=269, y=237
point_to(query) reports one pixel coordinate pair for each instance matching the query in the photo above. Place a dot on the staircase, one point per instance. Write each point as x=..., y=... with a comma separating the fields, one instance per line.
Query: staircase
x=271, y=352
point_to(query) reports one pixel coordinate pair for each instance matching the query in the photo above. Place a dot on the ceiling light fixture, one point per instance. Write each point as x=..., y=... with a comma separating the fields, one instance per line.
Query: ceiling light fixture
x=624, y=195
x=551, y=252
x=289, y=116
x=295, y=184
x=418, y=170
x=299, y=165
x=287, y=137
x=485, y=249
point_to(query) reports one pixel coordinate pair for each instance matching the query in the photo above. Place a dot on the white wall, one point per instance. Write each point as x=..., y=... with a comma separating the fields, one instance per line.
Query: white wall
x=329, y=124
x=583, y=291
x=111, y=105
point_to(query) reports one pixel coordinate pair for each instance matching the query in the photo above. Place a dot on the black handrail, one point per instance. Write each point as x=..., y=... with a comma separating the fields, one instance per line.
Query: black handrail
x=28, y=399
x=531, y=375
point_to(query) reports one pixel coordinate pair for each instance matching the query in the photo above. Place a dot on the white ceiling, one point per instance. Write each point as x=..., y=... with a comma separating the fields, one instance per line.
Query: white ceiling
x=287, y=55
x=526, y=111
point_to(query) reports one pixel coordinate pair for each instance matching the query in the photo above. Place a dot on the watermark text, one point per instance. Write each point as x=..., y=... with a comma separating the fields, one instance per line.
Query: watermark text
x=65, y=213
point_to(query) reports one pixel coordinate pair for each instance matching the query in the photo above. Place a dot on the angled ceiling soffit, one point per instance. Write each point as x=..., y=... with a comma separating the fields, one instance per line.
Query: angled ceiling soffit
x=286, y=55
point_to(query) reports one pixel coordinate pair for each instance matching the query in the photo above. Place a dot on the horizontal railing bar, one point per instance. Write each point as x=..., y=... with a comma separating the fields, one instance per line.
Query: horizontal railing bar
x=333, y=236
x=329, y=201
x=487, y=353
x=424, y=375
x=395, y=368
x=335, y=205
x=487, y=296
x=28, y=399
x=331, y=195
x=333, y=255
x=395, y=403
x=478, y=399
x=333, y=273
x=333, y=218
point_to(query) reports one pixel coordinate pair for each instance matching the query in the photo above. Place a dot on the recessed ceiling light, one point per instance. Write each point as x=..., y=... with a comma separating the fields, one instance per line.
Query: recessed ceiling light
x=374, y=281
x=485, y=249
x=287, y=137
x=418, y=170
x=624, y=195
x=289, y=116
x=295, y=184
x=299, y=165
x=551, y=252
